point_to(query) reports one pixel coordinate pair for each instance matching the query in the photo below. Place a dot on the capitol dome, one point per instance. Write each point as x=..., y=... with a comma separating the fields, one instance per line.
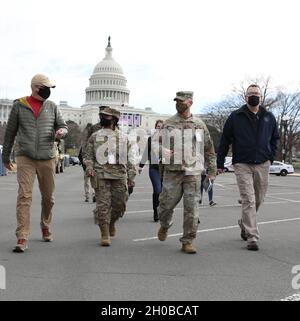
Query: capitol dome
x=107, y=83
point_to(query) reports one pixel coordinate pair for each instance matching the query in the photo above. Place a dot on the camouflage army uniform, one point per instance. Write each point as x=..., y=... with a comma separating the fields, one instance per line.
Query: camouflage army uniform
x=182, y=178
x=110, y=177
x=87, y=133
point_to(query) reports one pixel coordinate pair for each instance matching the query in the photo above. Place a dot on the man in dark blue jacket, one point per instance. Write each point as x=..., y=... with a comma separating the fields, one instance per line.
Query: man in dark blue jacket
x=252, y=131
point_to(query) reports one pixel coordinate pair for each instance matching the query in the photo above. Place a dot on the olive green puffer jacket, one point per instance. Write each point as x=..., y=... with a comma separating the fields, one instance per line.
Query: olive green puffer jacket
x=34, y=137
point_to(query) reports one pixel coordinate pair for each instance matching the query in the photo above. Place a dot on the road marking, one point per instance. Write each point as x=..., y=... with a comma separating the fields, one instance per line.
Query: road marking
x=293, y=297
x=284, y=193
x=202, y=207
x=220, y=229
x=284, y=199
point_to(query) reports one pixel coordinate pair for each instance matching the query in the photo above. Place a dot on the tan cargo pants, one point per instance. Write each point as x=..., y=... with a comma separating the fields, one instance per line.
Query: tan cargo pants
x=253, y=182
x=27, y=169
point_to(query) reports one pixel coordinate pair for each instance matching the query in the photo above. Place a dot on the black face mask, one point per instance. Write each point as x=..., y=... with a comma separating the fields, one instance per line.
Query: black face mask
x=181, y=107
x=44, y=92
x=105, y=122
x=253, y=101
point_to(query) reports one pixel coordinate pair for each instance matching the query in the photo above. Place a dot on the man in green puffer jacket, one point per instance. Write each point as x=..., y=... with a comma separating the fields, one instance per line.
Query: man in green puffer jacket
x=33, y=124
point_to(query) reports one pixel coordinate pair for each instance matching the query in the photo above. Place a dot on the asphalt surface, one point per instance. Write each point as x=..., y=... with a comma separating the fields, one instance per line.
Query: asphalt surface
x=139, y=267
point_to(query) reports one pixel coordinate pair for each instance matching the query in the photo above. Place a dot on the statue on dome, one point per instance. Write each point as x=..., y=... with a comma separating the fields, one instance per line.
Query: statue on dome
x=108, y=41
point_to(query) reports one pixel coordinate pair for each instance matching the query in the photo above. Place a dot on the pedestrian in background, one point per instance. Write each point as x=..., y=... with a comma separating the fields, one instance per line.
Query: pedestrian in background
x=35, y=122
x=210, y=192
x=252, y=131
x=88, y=189
x=155, y=171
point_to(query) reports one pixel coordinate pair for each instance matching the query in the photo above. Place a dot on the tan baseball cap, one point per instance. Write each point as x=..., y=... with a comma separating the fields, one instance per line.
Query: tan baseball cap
x=42, y=80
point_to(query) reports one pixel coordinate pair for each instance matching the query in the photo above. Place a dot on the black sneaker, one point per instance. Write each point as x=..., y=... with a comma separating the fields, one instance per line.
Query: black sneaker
x=244, y=235
x=212, y=203
x=252, y=246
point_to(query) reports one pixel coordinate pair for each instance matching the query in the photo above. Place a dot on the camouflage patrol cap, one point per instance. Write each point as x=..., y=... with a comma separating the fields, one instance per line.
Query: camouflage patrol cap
x=183, y=95
x=102, y=108
x=111, y=112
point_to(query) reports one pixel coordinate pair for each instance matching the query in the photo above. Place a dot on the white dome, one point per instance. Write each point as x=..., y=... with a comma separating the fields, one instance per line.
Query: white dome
x=108, y=66
x=107, y=83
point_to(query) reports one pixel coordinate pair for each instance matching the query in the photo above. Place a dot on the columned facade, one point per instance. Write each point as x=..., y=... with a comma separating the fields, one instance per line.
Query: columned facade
x=5, y=108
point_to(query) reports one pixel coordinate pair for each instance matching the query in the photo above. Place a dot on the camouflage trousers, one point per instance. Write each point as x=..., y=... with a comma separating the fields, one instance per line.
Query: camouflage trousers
x=175, y=186
x=111, y=196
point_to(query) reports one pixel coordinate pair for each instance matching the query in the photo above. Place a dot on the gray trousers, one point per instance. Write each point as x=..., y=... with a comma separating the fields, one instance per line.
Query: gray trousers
x=253, y=182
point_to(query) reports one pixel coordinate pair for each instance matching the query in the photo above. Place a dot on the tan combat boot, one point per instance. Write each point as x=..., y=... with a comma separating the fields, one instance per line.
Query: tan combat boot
x=162, y=233
x=112, y=228
x=105, y=238
x=188, y=248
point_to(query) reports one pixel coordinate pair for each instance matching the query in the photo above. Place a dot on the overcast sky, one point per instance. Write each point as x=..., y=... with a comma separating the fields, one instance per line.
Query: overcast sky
x=163, y=46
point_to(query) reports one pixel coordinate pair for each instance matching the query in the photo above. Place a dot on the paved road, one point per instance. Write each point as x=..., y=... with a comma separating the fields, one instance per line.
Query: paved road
x=139, y=267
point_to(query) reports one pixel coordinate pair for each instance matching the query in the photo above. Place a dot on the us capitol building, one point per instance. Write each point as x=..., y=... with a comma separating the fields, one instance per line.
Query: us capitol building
x=107, y=86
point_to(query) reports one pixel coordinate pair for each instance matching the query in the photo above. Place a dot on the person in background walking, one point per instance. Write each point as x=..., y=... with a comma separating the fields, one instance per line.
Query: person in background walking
x=155, y=171
x=209, y=192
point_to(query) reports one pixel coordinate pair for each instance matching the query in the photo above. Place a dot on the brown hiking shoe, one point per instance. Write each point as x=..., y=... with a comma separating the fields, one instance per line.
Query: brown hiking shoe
x=105, y=237
x=21, y=246
x=47, y=236
x=162, y=233
x=188, y=248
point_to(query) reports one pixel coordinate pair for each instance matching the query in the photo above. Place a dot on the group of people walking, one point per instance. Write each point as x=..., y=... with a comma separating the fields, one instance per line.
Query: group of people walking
x=181, y=155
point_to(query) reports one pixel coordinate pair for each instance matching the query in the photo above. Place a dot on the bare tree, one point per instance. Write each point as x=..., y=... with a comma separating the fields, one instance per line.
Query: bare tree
x=217, y=113
x=287, y=111
x=269, y=96
x=73, y=139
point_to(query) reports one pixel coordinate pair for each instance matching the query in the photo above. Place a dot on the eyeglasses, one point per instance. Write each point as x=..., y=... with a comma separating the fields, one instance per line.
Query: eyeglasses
x=253, y=94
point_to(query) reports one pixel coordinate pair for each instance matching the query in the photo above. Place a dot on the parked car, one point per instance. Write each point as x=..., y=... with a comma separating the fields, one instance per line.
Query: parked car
x=74, y=160
x=280, y=168
x=228, y=167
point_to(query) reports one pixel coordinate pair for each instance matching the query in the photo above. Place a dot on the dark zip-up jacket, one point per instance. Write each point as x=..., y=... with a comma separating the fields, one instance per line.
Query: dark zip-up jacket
x=34, y=136
x=253, y=137
x=150, y=156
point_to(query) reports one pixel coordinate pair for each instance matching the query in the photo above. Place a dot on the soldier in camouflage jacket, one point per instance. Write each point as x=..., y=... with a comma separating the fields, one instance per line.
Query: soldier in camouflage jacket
x=110, y=161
